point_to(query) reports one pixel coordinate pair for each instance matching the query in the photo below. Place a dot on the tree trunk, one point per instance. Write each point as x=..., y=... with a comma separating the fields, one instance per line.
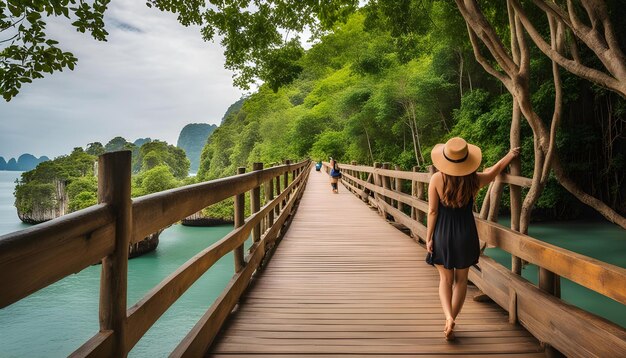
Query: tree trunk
x=461, y=74
x=369, y=145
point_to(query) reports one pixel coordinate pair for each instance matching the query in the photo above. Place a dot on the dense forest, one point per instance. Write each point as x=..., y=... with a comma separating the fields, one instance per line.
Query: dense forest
x=386, y=80
x=364, y=94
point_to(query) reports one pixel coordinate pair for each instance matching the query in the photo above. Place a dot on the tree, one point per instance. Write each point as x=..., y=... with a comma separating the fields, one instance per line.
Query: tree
x=154, y=180
x=95, y=148
x=260, y=39
x=117, y=143
x=30, y=52
x=513, y=70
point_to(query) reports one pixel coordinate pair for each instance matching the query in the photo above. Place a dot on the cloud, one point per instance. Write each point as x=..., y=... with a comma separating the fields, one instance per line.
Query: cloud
x=151, y=78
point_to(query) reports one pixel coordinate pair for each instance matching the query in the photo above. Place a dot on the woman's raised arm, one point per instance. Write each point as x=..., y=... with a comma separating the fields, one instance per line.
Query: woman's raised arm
x=486, y=177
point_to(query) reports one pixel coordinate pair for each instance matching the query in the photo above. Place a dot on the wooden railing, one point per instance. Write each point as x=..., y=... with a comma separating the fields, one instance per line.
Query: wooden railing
x=571, y=330
x=39, y=256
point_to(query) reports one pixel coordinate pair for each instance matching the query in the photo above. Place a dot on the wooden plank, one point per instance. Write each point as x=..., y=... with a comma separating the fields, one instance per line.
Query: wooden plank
x=596, y=275
x=144, y=313
x=52, y=250
x=202, y=334
x=343, y=281
x=100, y=345
x=405, y=198
x=571, y=330
x=395, y=355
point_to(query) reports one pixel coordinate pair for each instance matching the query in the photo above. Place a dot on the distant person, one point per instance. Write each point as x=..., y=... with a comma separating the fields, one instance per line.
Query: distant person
x=318, y=166
x=452, y=239
x=335, y=175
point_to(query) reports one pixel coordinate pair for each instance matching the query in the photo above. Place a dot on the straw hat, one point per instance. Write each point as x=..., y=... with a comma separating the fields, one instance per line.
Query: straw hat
x=456, y=157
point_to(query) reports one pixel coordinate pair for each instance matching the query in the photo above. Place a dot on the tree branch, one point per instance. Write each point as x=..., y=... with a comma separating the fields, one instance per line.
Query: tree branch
x=574, y=67
x=475, y=18
x=555, y=39
x=512, y=29
x=483, y=61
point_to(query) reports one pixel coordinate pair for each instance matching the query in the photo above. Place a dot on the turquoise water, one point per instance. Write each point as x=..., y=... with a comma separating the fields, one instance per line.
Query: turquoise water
x=9, y=221
x=56, y=320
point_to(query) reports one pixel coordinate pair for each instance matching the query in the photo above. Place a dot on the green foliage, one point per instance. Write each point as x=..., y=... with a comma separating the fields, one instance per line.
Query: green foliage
x=95, y=148
x=329, y=144
x=118, y=143
x=35, y=195
x=383, y=83
x=161, y=166
x=154, y=180
x=83, y=200
x=157, y=153
x=30, y=51
x=81, y=184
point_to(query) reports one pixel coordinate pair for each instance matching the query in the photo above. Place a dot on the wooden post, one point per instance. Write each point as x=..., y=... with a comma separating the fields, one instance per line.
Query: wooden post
x=277, y=209
x=239, y=207
x=512, y=306
x=547, y=281
x=354, y=174
x=255, y=204
x=114, y=189
x=378, y=182
x=286, y=182
x=399, y=189
x=386, y=182
x=421, y=194
x=414, y=194
x=269, y=196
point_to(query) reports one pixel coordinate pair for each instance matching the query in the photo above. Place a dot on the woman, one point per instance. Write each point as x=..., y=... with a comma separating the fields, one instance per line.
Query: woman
x=335, y=175
x=452, y=239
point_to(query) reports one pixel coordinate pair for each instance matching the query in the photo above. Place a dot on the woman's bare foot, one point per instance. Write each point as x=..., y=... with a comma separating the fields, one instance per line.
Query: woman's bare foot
x=448, y=331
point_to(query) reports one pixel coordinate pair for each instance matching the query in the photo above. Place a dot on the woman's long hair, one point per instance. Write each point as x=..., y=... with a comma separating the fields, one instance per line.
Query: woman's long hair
x=457, y=191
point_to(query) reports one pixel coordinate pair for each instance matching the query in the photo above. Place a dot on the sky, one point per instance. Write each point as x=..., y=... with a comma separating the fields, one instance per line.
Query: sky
x=151, y=78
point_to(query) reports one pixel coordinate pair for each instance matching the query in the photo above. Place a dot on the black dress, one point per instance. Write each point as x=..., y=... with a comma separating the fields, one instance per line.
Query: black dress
x=455, y=239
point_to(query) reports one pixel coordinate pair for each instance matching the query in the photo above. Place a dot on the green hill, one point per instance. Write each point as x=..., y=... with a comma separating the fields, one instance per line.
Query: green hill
x=192, y=138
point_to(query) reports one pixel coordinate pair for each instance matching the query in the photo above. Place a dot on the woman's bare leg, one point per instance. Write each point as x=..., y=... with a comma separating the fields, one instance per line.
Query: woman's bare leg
x=459, y=291
x=446, y=278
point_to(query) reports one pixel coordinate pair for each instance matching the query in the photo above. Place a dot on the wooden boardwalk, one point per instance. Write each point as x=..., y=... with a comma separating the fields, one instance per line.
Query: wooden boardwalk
x=343, y=282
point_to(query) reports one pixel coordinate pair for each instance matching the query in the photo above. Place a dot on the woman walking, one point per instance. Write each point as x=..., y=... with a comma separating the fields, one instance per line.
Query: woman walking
x=452, y=239
x=335, y=175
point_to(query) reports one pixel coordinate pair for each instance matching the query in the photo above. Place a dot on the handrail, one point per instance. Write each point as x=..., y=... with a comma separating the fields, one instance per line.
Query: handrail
x=79, y=240
x=425, y=177
x=146, y=312
x=50, y=251
x=525, y=302
x=155, y=211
